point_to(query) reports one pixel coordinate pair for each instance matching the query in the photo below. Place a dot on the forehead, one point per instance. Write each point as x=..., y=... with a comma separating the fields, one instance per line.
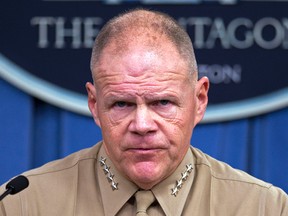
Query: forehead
x=139, y=59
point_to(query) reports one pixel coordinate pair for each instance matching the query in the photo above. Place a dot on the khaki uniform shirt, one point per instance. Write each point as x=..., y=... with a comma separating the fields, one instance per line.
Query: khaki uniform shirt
x=86, y=183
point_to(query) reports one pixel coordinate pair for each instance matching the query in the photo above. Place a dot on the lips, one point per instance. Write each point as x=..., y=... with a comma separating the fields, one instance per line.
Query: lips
x=144, y=149
x=144, y=144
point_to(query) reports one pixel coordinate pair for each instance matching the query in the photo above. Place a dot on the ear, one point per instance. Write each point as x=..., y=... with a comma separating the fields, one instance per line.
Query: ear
x=92, y=102
x=201, y=90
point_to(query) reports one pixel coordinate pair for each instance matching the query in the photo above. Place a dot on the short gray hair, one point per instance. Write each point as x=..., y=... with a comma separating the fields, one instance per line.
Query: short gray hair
x=149, y=21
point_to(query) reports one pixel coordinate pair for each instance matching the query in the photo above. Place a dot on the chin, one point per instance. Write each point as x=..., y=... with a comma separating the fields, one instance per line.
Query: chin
x=146, y=175
x=146, y=183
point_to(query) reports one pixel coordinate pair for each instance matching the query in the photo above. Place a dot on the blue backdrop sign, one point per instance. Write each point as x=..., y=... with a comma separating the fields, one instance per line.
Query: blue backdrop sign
x=240, y=45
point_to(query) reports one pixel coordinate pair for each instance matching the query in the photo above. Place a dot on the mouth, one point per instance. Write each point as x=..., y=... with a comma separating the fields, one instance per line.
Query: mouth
x=145, y=150
x=145, y=147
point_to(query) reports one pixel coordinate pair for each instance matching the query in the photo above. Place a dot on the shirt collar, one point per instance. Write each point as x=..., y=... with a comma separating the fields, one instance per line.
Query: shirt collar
x=113, y=198
x=172, y=191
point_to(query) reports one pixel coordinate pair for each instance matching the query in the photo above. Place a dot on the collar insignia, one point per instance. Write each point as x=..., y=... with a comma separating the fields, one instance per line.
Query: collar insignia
x=108, y=173
x=180, y=182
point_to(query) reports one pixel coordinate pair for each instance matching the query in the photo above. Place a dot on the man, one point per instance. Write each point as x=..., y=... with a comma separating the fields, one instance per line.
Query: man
x=147, y=99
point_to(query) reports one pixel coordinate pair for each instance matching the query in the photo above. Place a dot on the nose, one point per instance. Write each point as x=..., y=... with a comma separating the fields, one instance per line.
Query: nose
x=143, y=122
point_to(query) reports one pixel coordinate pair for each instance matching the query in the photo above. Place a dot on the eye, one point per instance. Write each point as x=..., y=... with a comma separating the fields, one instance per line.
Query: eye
x=120, y=104
x=161, y=103
x=164, y=102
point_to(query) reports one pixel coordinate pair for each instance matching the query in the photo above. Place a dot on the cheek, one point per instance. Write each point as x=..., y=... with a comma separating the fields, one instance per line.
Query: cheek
x=180, y=129
x=113, y=128
x=167, y=112
x=119, y=116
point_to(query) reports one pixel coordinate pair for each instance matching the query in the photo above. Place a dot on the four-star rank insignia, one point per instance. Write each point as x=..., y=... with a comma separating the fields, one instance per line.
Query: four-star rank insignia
x=108, y=173
x=180, y=182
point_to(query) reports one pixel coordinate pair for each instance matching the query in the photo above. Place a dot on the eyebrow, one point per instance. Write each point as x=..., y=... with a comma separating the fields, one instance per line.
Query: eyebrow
x=118, y=96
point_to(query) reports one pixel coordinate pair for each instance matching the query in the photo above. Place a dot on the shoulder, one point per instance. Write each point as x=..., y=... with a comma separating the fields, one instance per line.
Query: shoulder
x=221, y=171
x=69, y=162
x=54, y=184
x=241, y=190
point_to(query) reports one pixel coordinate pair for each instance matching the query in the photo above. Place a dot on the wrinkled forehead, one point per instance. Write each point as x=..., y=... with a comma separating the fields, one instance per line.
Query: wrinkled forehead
x=140, y=61
x=139, y=52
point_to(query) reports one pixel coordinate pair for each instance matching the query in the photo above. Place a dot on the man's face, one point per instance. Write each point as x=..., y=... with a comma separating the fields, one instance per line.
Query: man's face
x=146, y=106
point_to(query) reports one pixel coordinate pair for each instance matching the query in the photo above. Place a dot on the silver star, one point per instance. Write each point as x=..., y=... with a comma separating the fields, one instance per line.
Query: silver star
x=174, y=191
x=184, y=175
x=114, y=186
x=106, y=169
x=102, y=161
x=189, y=168
x=110, y=177
x=179, y=183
